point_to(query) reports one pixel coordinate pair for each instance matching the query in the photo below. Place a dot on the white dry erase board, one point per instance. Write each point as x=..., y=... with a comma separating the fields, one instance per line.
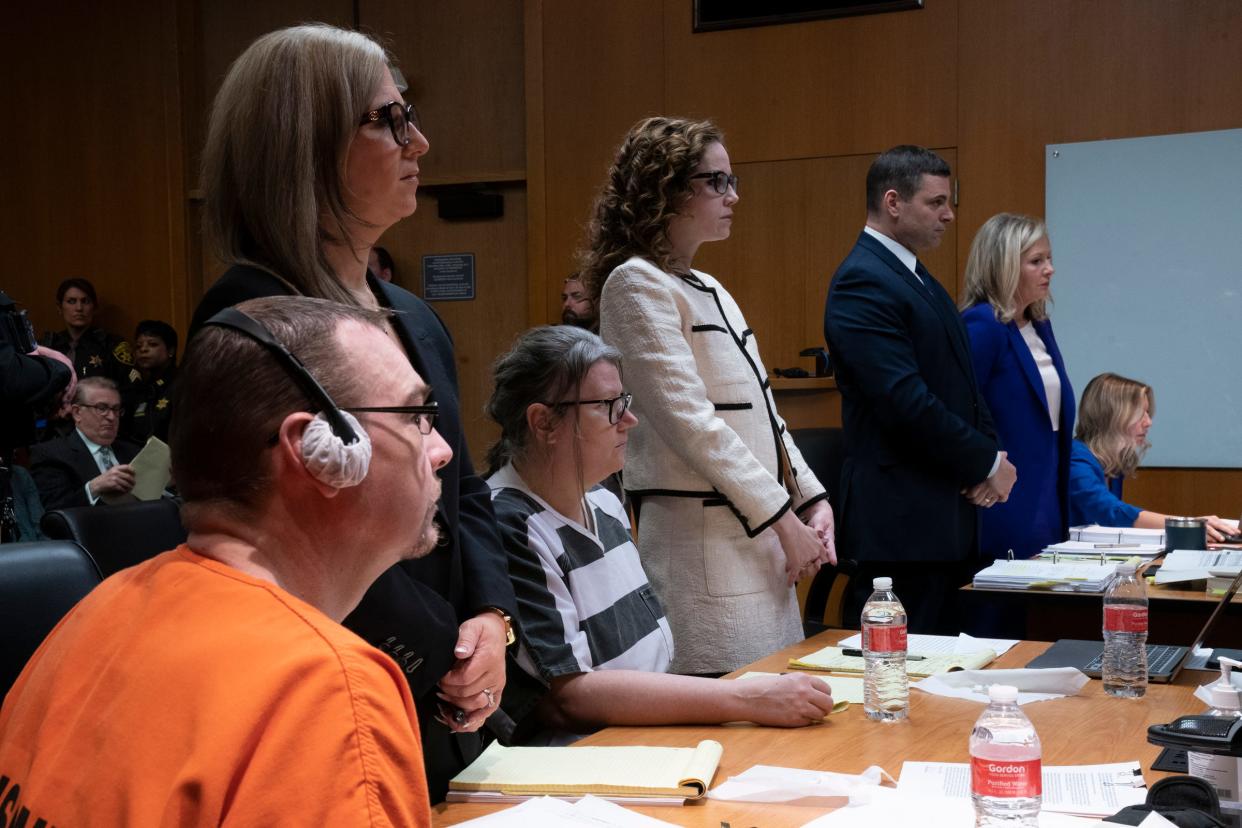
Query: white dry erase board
x=1147, y=243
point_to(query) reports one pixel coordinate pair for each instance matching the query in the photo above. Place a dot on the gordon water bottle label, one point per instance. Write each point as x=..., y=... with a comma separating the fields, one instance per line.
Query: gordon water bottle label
x=1127, y=619
x=996, y=777
x=884, y=639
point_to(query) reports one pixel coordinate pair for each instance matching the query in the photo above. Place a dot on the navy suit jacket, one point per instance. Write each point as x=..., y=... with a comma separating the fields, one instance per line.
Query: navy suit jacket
x=61, y=468
x=917, y=430
x=1038, y=506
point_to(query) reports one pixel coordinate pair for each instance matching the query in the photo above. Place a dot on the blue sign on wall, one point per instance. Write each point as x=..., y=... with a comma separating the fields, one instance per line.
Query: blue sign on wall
x=448, y=277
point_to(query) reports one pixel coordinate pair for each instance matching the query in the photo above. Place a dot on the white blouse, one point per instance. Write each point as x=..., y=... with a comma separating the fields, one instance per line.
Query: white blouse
x=1047, y=372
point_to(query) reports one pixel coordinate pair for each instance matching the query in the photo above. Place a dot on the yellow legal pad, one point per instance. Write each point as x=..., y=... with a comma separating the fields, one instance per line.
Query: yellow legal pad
x=604, y=771
x=831, y=659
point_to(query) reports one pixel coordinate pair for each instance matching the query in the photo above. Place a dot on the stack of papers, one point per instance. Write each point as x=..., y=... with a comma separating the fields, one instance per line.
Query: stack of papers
x=652, y=775
x=833, y=660
x=1090, y=551
x=1066, y=576
x=1086, y=790
x=1197, y=564
x=1117, y=534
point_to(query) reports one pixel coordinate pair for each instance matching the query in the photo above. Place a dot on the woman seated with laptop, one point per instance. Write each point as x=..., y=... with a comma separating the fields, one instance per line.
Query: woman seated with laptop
x=1110, y=441
x=594, y=641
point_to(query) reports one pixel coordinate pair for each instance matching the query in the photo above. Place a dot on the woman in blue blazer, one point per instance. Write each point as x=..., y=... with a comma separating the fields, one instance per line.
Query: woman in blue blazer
x=1113, y=420
x=1023, y=380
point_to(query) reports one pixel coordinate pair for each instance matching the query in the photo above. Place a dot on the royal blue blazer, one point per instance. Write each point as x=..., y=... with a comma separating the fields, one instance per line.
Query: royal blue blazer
x=1037, y=512
x=1093, y=497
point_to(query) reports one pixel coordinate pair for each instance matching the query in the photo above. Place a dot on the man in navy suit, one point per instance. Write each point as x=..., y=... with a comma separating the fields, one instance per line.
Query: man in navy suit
x=921, y=450
x=89, y=463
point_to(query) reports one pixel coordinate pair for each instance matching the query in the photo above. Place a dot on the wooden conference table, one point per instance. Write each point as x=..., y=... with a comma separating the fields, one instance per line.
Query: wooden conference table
x=1084, y=729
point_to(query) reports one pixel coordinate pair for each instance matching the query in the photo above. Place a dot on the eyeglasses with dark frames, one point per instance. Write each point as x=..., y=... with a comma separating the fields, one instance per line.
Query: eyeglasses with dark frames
x=424, y=416
x=719, y=180
x=400, y=117
x=617, y=406
x=103, y=410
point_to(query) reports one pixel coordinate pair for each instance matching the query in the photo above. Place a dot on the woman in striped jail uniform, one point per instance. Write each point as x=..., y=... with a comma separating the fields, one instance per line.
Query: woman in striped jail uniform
x=594, y=643
x=730, y=517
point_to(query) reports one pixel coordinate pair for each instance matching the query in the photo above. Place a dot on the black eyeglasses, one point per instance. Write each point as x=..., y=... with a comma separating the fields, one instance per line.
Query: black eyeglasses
x=617, y=406
x=423, y=416
x=103, y=410
x=399, y=117
x=719, y=180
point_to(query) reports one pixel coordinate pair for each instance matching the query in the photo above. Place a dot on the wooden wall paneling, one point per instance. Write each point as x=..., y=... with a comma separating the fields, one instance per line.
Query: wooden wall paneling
x=536, y=166
x=464, y=63
x=92, y=157
x=1056, y=71
x=847, y=86
x=603, y=69
x=485, y=327
x=1187, y=491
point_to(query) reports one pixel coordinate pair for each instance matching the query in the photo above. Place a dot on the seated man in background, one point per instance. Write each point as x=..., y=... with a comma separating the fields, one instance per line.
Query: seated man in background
x=215, y=682
x=147, y=409
x=577, y=307
x=90, y=462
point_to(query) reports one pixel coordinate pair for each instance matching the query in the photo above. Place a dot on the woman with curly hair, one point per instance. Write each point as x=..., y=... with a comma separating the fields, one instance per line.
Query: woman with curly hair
x=1113, y=419
x=730, y=517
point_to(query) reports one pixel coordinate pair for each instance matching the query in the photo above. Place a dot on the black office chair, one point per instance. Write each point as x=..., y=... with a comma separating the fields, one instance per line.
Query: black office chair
x=119, y=536
x=823, y=450
x=39, y=583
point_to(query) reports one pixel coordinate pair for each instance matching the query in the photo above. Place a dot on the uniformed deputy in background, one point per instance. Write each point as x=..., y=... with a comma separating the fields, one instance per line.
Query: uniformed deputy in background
x=94, y=352
x=147, y=409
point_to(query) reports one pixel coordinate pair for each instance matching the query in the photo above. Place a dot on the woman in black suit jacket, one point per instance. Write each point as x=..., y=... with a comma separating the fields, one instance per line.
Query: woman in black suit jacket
x=1022, y=377
x=297, y=195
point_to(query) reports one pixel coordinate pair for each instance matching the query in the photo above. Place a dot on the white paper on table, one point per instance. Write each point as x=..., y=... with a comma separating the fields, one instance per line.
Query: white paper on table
x=1155, y=820
x=560, y=813
x=843, y=688
x=897, y=807
x=1092, y=790
x=1197, y=564
x=768, y=783
x=1034, y=684
x=943, y=644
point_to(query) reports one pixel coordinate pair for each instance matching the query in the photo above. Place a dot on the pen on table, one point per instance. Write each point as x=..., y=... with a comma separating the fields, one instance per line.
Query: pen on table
x=850, y=651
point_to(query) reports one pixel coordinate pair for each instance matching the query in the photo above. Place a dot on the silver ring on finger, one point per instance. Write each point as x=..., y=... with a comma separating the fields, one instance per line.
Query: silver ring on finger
x=491, y=697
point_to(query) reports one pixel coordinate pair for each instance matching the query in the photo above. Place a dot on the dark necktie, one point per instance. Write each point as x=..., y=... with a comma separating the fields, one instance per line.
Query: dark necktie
x=106, y=457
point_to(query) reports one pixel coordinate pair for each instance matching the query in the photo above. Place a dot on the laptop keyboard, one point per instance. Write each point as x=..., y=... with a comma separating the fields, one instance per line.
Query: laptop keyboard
x=1161, y=658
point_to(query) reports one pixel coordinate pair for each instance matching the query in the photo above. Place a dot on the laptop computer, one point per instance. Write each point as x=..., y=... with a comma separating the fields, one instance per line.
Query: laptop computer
x=1164, y=662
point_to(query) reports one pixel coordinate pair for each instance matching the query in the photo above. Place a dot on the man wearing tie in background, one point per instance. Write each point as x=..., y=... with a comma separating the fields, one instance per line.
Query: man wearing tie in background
x=90, y=462
x=921, y=448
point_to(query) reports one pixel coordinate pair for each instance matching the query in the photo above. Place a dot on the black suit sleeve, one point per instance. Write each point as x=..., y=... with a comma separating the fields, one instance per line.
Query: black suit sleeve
x=869, y=333
x=59, y=483
x=484, y=565
x=29, y=380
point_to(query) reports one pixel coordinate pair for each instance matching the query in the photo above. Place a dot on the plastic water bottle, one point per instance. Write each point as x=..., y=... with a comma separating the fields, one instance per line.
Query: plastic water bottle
x=1125, y=634
x=886, y=691
x=1006, y=781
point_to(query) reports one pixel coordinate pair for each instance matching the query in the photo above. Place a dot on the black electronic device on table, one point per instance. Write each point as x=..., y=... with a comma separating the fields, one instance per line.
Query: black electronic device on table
x=1164, y=662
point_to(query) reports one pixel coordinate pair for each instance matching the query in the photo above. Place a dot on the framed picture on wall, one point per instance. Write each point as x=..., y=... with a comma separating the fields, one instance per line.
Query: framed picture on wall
x=714, y=15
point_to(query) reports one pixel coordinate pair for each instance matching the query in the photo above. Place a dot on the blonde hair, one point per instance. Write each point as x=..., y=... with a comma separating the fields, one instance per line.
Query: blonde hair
x=647, y=185
x=273, y=164
x=994, y=268
x=1110, y=405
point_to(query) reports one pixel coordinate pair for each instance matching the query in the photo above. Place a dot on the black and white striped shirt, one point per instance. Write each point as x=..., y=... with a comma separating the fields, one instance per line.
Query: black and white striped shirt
x=584, y=602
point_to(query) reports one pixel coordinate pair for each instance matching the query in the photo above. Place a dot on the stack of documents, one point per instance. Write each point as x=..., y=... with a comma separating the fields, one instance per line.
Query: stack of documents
x=1086, y=790
x=1090, y=551
x=1066, y=576
x=1197, y=564
x=1117, y=534
x=641, y=775
x=833, y=660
